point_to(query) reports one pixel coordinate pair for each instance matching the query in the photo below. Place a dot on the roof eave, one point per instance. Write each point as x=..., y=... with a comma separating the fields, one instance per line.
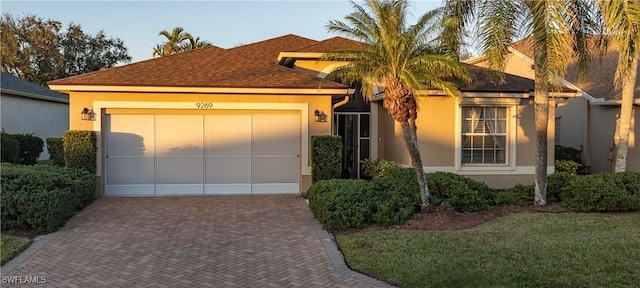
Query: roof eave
x=206, y=90
x=35, y=96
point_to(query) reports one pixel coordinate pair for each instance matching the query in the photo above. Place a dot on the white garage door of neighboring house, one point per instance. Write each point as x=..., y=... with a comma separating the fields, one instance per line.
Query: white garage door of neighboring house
x=202, y=154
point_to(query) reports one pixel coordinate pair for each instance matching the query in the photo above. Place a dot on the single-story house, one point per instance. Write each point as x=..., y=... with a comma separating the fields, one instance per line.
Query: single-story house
x=27, y=107
x=588, y=122
x=239, y=121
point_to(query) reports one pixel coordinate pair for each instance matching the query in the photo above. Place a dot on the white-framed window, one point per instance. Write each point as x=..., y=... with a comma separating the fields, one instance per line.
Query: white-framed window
x=484, y=139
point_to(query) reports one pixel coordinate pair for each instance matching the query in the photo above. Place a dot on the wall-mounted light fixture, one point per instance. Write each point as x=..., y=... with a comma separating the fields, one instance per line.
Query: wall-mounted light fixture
x=319, y=116
x=88, y=114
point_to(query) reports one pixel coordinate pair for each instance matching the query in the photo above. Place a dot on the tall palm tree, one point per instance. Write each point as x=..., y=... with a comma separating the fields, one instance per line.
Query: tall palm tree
x=557, y=29
x=396, y=57
x=622, y=21
x=175, y=42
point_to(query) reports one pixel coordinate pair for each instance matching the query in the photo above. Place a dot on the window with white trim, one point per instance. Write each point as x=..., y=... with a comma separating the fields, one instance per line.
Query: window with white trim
x=484, y=135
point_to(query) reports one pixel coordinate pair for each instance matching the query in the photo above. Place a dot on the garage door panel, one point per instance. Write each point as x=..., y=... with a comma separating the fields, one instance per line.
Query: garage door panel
x=227, y=189
x=228, y=169
x=179, y=170
x=130, y=135
x=179, y=134
x=275, y=169
x=179, y=189
x=130, y=190
x=228, y=134
x=276, y=134
x=121, y=168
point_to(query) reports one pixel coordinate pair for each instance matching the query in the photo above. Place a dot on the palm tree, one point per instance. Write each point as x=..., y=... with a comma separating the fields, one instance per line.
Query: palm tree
x=175, y=42
x=396, y=57
x=622, y=20
x=557, y=29
x=195, y=43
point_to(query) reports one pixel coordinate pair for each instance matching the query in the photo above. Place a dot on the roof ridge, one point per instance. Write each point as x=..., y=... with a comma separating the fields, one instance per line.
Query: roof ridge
x=271, y=39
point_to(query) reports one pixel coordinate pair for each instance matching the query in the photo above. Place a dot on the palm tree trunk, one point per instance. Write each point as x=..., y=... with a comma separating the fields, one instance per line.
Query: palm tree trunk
x=410, y=136
x=541, y=106
x=626, y=113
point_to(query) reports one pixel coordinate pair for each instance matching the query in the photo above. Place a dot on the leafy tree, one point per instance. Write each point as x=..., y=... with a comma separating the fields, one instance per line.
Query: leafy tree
x=622, y=20
x=39, y=50
x=401, y=59
x=558, y=30
x=197, y=43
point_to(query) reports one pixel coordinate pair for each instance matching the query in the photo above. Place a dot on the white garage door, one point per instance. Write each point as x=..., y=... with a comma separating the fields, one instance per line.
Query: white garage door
x=202, y=154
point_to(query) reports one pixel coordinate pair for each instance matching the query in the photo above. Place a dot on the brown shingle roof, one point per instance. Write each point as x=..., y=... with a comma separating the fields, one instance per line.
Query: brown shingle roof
x=251, y=66
x=600, y=74
x=482, y=83
x=332, y=44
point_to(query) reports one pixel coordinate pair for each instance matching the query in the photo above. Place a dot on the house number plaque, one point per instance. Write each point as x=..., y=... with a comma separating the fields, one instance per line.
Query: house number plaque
x=204, y=105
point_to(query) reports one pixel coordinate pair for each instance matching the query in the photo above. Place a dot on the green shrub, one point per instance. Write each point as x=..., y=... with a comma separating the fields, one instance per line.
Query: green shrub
x=342, y=203
x=603, y=192
x=10, y=148
x=568, y=154
x=30, y=148
x=555, y=183
x=567, y=166
x=42, y=197
x=463, y=194
x=516, y=195
x=56, y=151
x=80, y=150
x=395, y=201
x=375, y=168
x=326, y=157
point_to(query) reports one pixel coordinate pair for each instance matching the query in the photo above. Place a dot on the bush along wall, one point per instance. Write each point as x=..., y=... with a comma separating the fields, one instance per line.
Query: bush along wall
x=56, y=151
x=326, y=157
x=603, y=192
x=80, y=150
x=10, y=148
x=42, y=197
x=30, y=148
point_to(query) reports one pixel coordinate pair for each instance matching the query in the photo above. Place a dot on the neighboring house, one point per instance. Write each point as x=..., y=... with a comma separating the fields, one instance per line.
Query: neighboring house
x=239, y=121
x=587, y=123
x=27, y=107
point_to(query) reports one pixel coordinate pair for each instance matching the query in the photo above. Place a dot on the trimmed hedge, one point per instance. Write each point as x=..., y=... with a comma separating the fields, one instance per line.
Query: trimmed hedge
x=80, y=150
x=30, y=148
x=555, y=183
x=568, y=154
x=10, y=148
x=603, y=192
x=326, y=157
x=42, y=197
x=567, y=166
x=375, y=168
x=56, y=151
x=348, y=203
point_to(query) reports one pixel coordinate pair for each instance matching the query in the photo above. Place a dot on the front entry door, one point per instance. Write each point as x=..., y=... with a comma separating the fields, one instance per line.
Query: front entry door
x=354, y=128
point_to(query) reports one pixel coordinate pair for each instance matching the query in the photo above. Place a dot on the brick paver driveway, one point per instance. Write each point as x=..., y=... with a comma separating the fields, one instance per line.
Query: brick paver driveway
x=216, y=241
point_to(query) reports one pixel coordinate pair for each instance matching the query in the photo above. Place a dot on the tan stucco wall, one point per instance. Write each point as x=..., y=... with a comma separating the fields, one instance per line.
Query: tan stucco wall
x=316, y=65
x=80, y=100
x=515, y=65
x=602, y=131
x=572, y=128
x=44, y=119
x=437, y=140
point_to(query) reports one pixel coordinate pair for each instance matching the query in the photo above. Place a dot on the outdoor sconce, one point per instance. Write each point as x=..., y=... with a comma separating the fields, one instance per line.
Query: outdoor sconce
x=319, y=116
x=87, y=114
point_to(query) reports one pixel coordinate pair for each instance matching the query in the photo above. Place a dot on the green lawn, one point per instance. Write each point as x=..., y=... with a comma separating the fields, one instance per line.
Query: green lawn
x=11, y=246
x=524, y=250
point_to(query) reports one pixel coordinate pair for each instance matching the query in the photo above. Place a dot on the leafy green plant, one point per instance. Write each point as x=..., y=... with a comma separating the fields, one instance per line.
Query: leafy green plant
x=326, y=157
x=80, y=150
x=341, y=203
x=555, y=183
x=516, y=195
x=567, y=166
x=603, y=192
x=56, y=151
x=10, y=148
x=463, y=194
x=568, y=154
x=30, y=148
x=42, y=197
x=375, y=168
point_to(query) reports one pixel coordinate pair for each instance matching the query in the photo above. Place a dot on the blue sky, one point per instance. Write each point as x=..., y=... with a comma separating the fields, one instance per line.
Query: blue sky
x=223, y=23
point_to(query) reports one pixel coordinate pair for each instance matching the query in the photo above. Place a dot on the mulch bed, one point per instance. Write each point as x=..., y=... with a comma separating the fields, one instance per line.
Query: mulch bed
x=443, y=219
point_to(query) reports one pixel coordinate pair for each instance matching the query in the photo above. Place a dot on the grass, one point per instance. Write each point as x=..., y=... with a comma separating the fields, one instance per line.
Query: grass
x=11, y=246
x=524, y=250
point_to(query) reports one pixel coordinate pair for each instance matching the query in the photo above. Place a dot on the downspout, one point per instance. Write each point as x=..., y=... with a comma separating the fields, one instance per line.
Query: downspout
x=333, y=108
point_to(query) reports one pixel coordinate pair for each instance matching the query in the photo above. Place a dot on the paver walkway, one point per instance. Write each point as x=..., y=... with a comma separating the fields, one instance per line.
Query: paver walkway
x=212, y=241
